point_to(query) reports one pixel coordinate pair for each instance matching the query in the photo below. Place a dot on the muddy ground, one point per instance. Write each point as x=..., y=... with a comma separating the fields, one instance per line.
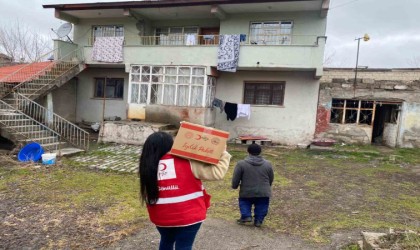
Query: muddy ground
x=321, y=200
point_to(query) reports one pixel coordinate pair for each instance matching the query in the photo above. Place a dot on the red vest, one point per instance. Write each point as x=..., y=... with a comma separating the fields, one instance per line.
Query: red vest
x=182, y=198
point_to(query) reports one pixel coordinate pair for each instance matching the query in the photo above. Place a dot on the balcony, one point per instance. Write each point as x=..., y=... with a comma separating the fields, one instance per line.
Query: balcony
x=288, y=52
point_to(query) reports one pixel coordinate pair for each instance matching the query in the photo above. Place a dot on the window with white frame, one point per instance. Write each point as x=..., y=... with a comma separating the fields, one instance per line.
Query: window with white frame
x=107, y=31
x=271, y=33
x=176, y=35
x=171, y=85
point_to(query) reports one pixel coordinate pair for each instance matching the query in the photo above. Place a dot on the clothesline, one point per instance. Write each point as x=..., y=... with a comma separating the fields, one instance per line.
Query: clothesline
x=232, y=110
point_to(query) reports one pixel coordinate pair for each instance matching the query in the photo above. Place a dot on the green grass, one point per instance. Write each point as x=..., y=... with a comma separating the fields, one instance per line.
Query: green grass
x=74, y=188
x=315, y=193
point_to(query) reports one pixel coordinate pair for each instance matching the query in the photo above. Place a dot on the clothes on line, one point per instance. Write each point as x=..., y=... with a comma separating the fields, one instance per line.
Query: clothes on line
x=244, y=110
x=108, y=49
x=242, y=38
x=208, y=37
x=228, y=53
x=231, y=110
x=190, y=39
x=218, y=104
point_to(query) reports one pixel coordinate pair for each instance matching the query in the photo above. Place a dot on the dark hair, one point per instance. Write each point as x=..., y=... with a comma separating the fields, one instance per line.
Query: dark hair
x=155, y=146
x=254, y=149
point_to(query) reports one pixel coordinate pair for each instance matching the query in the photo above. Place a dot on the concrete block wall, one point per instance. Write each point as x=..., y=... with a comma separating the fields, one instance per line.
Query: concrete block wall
x=399, y=85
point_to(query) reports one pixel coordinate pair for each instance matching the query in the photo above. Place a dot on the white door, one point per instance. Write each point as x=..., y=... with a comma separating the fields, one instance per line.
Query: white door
x=137, y=101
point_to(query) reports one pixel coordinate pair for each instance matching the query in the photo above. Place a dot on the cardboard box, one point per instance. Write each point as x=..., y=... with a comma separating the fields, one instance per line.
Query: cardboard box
x=199, y=143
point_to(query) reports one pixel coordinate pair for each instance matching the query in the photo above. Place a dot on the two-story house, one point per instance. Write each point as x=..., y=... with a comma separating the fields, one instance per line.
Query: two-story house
x=170, y=64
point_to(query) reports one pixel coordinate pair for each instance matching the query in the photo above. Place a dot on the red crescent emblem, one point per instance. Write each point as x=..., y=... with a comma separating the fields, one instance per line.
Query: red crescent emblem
x=198, y=137
x=164, y=167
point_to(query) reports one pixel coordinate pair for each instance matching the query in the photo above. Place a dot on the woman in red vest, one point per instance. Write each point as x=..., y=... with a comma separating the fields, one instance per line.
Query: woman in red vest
x=172, y=190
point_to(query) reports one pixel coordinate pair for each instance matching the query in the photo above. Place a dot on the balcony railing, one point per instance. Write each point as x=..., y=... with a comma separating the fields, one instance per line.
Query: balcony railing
x=212, y=40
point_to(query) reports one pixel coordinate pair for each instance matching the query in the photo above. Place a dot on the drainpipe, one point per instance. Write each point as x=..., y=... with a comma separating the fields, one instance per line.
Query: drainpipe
x=103, y=107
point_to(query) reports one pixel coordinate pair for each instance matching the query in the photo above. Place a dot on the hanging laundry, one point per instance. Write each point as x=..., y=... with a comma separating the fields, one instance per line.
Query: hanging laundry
x=242, y=38
x=231, y=110
x=208, y=37
x=228, y=53
x=218, y=104
x=190, y=39
x=108, y=49
x=244, y=110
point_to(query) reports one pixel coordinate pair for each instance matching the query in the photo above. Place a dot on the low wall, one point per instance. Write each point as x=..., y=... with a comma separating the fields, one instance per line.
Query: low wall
x=174, y=115
x=128, y=132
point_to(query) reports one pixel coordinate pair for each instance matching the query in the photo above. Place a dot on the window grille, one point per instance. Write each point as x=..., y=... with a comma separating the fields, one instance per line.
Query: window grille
x=264, y=93
x=107, y=31
x=271, y=33
x=175, y=35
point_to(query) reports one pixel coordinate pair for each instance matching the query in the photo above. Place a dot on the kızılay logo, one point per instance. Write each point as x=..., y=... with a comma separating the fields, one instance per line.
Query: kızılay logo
x=215, y=141
x=189, y=135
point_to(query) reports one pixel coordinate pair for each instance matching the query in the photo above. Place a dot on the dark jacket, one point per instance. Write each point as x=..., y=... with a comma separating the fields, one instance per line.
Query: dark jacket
x=255, y=176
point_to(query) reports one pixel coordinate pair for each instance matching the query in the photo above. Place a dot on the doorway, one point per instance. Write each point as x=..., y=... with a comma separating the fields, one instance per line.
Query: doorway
x=209, y=36
x=385, y=125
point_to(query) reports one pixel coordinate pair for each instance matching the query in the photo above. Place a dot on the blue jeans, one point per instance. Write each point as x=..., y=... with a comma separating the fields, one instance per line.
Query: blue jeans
x=260, y=207
x=182, y=237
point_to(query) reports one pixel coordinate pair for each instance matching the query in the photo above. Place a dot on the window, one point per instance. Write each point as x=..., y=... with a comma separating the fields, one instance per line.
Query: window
x=114, y=88
x=176, y=35
x=107, y=31
x=264, y=93
x=271, y=33
x=352, y=111
x=171, y=85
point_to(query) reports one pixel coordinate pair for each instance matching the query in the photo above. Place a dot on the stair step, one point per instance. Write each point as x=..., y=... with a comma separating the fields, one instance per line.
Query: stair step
x=16, y=122
x=36, y=132
x=26, y=126
x=40, y=139
x=52, y=145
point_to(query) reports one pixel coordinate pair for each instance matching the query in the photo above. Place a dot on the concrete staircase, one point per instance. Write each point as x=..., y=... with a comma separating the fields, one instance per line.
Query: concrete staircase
x=22, y=120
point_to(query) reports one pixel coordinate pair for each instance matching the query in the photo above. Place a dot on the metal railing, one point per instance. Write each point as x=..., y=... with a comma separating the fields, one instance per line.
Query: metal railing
x=21, y=124
x=36, y=77
x=213, y=40
x=68, y=130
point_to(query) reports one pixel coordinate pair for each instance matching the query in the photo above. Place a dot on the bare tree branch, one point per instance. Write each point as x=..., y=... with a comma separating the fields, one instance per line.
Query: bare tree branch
x=22, y=43
x=414, y=62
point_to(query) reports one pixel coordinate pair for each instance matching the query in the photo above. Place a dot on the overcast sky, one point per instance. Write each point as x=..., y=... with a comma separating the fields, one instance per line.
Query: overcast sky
x=393, y=25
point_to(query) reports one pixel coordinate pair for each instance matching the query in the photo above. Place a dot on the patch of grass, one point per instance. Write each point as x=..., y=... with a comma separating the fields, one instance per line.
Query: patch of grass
x=77, y=188
x=409, y=241
x=351, y=246
x=409, y=155
x=281, y=181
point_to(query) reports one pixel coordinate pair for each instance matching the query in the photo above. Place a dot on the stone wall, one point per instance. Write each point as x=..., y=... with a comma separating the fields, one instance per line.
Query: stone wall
x=387, y=85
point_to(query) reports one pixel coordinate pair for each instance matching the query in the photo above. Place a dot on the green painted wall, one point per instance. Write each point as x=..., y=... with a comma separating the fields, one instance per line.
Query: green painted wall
x=307, y=26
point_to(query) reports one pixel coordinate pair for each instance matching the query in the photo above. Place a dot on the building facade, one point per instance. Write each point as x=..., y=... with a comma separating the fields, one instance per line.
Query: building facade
x=169, y=67
x=381, y=106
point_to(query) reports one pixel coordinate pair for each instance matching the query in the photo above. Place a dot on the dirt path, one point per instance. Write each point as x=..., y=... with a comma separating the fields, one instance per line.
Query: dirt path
x=221, y=235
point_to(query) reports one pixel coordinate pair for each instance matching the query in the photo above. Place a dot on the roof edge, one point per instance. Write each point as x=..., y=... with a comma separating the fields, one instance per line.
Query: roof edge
x=155, y=4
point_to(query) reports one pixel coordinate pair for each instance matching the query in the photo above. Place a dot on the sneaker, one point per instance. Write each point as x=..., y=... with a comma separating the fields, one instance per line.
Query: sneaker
x=258, y=223
x=245, y=220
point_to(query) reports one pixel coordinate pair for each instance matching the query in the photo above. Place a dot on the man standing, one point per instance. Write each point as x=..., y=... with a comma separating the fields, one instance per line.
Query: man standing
x=254, y=175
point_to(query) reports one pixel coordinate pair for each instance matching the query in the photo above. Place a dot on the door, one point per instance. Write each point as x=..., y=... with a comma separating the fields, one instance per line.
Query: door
x=137, y=101
x=137, y=94
x=209, y=36
x=385, y=125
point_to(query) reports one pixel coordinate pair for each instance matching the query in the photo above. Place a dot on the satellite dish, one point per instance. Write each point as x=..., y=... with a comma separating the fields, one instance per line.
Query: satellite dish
x=64, y=30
